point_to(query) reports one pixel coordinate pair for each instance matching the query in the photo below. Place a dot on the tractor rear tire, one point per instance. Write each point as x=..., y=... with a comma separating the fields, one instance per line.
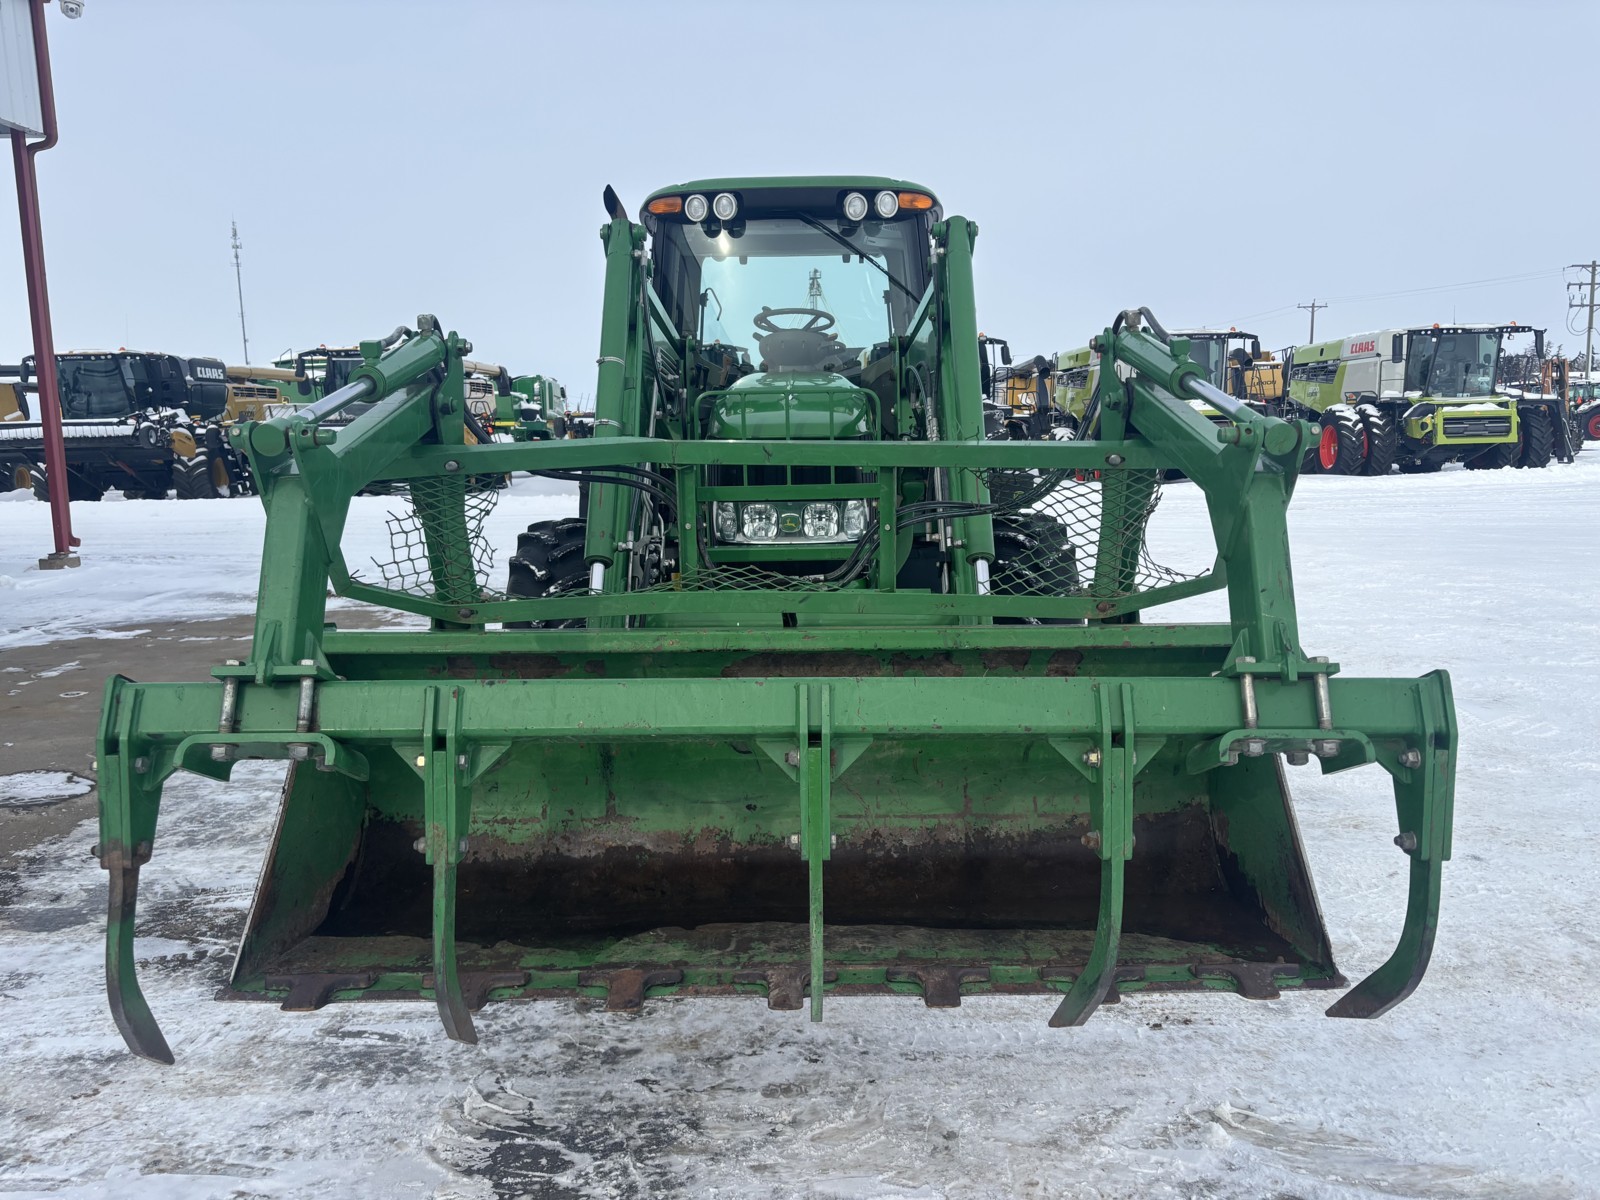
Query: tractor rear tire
x=1591, y=426
x=1383, y=440
x=1492, y=459
x=548, y=562
x=1342, y=448
x=1538, y=441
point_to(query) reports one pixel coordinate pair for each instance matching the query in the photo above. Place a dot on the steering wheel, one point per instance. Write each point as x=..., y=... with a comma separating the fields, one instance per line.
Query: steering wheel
x=820, y=321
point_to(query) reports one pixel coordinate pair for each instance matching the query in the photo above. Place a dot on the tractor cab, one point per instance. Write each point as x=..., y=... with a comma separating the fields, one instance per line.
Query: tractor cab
x=1234, y=363
x=792, y=297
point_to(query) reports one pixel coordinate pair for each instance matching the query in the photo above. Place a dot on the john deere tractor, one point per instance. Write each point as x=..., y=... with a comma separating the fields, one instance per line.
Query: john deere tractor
x=827, y=695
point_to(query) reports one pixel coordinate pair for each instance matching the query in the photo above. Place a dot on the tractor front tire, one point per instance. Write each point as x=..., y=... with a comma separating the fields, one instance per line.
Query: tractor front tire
x=197, y=478
x=1383, y=440
x=548, y=562
x=1538, y=441
x=1033, y=557
x=1342, y=447
x=79, y=489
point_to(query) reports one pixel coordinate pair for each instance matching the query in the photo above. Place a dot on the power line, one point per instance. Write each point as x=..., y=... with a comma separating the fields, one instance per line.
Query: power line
x=1417, y=291
x=1588, y=302
x=1313, y=306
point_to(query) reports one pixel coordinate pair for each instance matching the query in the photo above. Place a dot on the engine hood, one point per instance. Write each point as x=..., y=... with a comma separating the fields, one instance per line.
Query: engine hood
x=792, y=404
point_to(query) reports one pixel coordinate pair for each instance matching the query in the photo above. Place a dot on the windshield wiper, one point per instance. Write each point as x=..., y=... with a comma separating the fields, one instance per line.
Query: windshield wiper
x=856, y=250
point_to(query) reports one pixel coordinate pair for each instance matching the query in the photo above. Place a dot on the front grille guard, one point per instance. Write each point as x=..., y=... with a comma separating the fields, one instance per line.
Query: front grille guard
x=1072, y=531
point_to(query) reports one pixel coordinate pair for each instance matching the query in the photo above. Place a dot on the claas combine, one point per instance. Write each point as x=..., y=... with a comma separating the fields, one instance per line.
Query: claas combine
x=826, y=694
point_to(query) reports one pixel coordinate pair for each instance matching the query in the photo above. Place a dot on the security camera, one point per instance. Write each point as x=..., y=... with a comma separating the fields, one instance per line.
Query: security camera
x=72, y=9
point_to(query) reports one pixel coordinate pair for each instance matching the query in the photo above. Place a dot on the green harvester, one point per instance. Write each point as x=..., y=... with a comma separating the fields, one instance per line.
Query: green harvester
x=825, y=695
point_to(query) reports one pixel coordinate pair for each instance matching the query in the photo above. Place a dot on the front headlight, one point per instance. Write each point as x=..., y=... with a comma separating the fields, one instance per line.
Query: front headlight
x=759, y=522
x=812, y=521
x=855, y=519
x=822, y=520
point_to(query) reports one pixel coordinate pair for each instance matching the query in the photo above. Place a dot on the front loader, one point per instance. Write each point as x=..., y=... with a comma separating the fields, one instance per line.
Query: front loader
x=827, y=695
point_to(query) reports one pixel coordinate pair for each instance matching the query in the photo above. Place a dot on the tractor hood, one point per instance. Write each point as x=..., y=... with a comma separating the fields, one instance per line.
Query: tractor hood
x=791, y=404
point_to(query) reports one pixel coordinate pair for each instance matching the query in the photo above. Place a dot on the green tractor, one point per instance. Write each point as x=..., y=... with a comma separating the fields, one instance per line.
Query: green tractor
x=827, y=695
x=1418, y=399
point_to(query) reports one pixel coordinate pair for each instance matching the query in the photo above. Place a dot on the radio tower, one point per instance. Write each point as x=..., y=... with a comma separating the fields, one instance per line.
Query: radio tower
x=238, y=279
x=814, y=297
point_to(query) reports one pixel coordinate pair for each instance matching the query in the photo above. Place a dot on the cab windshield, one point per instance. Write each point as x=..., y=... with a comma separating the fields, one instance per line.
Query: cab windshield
x=98, y=386
x=1452, y=364
x=1209, y=354
x=843, y=287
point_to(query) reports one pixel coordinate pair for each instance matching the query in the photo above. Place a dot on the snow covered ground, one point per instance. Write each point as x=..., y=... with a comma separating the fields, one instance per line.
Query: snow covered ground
x=146, y=561
x=1480, y=1085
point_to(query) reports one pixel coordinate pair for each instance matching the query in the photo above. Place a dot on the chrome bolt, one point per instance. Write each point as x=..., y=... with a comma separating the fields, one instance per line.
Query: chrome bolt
x=1411, y=758
x=794, y=841
x=299, y=752
x=461, y=846
x=1091, y=758
x=1092, y=839
x=1406, y=841
x=1255, y=747
x=141, y=765
x=1298, y=758
x=420, y=845
x=422, y=760
x=452, y=465
x=461, y=761
x=792, y=758
x=1325, y=749
x=833, y=841
x=222, y=753
x=1114, y=460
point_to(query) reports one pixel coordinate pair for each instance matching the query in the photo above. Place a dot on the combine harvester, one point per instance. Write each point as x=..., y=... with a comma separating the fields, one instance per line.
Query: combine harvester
x=791, y=713
x=138, y=422
x=1419, y=398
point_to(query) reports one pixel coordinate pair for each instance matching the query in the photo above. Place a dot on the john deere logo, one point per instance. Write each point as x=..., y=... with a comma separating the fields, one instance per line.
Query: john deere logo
x=789, y=522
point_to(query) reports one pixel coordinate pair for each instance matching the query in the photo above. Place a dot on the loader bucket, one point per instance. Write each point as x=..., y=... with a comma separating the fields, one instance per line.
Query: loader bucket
x=620, y=866
x=633, y=755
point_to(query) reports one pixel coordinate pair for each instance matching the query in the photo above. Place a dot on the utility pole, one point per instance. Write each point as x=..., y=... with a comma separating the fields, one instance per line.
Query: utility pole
x=1313, y=306
x=1587, y=302
x=28, y=109
x=238, y=279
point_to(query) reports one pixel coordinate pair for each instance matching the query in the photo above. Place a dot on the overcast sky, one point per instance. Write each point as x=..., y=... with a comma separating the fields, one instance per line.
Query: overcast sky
x=1219, y=163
